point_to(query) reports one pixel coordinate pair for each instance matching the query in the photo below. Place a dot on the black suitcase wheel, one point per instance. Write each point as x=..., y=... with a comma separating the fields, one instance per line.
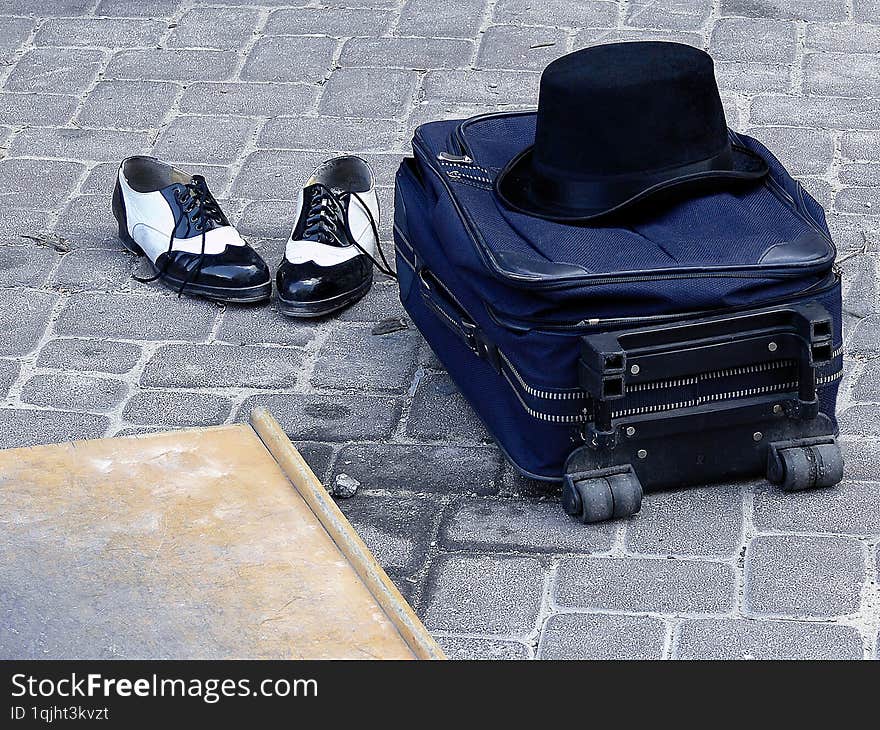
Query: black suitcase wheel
x=602, y=498
x=807, y=467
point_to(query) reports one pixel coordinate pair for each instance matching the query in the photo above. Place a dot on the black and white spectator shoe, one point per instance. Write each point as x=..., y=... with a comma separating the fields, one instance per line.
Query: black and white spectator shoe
x=171, y=217
x=329, y=258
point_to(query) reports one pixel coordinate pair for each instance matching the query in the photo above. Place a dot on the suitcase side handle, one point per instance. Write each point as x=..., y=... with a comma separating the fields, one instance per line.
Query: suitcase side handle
x=451, y=312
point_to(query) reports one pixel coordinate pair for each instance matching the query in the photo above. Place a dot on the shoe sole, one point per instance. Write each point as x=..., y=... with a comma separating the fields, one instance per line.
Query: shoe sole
x=323, y=307
x=232, y=295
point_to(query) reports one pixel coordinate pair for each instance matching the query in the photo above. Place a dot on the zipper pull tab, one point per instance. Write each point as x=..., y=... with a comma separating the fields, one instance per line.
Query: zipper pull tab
x=457, y=159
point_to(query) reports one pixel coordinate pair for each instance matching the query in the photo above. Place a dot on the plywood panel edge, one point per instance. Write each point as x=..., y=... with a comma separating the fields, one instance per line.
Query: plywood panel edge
x=353, y=547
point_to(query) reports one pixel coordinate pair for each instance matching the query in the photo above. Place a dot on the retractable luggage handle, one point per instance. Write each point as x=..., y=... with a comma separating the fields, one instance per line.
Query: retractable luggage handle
x=612, y=362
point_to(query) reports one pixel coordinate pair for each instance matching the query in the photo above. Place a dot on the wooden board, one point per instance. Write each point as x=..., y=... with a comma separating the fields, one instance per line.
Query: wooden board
x=188, y=544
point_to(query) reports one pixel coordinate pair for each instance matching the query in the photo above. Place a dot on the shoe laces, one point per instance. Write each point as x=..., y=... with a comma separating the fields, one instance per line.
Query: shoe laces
x=198, y=204
x=327, y=223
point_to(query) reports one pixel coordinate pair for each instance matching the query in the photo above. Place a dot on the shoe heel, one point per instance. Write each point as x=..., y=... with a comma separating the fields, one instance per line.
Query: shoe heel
x=118, y=207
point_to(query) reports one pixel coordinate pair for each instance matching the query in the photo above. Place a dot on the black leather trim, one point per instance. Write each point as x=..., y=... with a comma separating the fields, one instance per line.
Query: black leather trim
x=803, y=250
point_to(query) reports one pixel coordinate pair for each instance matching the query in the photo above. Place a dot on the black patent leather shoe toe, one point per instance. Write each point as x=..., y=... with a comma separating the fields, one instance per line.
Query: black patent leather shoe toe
x=306, y=290
x=236, y=275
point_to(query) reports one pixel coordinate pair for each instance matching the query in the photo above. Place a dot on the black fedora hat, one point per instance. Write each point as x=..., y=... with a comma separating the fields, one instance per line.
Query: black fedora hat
x=618, y=123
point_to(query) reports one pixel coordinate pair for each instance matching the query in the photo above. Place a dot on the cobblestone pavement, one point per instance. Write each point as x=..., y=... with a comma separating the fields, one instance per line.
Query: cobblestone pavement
x=253, y=95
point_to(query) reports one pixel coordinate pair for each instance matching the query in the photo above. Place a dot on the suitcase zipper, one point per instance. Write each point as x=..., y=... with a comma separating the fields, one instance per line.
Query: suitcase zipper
x=660, y=407
x=665, y=384
x=711, y=398
x=816, y=289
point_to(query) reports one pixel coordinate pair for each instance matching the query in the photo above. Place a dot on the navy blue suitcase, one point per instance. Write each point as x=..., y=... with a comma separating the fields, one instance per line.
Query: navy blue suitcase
x=697, y=341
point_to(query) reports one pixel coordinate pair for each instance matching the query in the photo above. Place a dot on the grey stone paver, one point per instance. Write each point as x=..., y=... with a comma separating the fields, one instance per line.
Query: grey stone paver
x=247, y=99
x=253, y=95
x=30, y=427
x=727, y=639
x=51, y=181
x=51, y=69
x=839, y=74
x=105, y=356
x=396, y=530
x=369, y=92
x=804, y=576
x=229, y=27
x=585, y=13
x=79, y=144
x=484, y=595
x=753, y=39
x=145, y=104
x=440, y=412
x=635, y=584
x=675, y=14
x=602, y=636
x=9, y=370
x=354, y=357
x=795, y=9
x=467, y=647
x=512, y=47
x=336, y=22
x=271, y=58
x=172, y=64
x=74, y=391
x=442, y=18
x=175, y=409
x=25, y=265
x=330, y=417
x=483, y=524
x=105, y=32
x=190, y=366
x=150, y=8
x=411, y=53
x=136, y=317
x=205, y=139
x=851, y=508
x=843, y=37
x=92, y=269
x=340, y=133
x=803, y=151
x=29, y=108
x=688, y=522
x=422, y=468
x=23, y=318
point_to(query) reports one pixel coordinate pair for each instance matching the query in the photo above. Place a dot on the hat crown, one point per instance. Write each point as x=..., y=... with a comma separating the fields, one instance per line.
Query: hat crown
x=625, y=108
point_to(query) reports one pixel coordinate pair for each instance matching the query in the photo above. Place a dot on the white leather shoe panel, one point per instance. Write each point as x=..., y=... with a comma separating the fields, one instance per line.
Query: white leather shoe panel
x=155, y=242
x=151, y=222
x=299, y=252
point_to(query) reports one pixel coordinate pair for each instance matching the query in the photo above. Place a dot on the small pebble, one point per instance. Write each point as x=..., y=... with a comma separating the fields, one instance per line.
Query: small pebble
x=344, y=486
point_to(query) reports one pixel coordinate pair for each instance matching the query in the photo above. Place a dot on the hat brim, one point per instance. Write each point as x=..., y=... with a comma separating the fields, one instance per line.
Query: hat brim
x=515, y=186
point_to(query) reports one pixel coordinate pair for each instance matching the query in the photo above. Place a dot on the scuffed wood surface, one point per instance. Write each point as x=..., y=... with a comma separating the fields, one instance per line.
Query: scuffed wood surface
x=190, y=544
